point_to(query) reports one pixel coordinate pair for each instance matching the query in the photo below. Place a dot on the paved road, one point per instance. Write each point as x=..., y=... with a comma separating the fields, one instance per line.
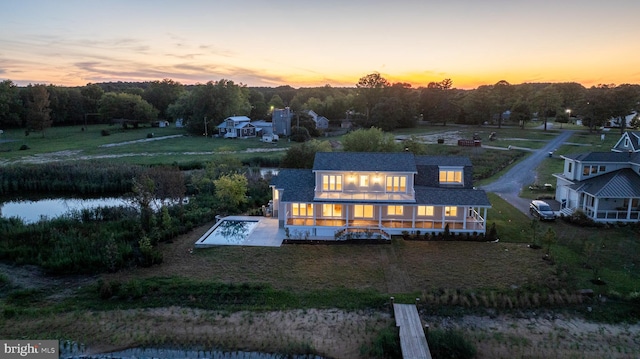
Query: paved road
x=509, y=185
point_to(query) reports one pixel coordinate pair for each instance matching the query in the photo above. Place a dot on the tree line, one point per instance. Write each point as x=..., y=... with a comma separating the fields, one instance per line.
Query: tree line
x=373, y=101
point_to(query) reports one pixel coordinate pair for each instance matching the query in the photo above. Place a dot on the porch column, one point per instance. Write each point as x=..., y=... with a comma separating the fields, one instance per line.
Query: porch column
x=380, y=216
x=314, y=214
x=346, y=215
x=464, y=219
x=596, y=205
x=629, y=207
x=444, y=208
x=413, y=217
x=484, y=219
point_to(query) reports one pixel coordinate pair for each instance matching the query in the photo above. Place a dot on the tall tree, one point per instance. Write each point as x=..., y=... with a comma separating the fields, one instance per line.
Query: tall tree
x=38, y=111
x=91, y=94
x=477, y=105
x=161, y=94
x=623, y=100
x=521, y=112
x=126, y=106
x=10, y=105
x=370, y=140
x=209, y=104
x=231, y=191
x=436, y=101
x=501, y=94
x=370, y=90
x=302, y=155
x=547, y=102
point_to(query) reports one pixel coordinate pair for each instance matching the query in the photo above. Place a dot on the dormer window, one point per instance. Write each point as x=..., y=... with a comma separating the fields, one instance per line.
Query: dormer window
x=396, y=183
x=451, y=176
x=332, y=183
x=364, y=181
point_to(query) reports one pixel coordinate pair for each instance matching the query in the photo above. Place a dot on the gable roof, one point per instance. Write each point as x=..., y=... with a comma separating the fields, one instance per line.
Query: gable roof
x=451, y=196
x=621, y=157
x=299, y=185
x=238, y=119
x=623, y=183
x=442, y=161
x=634, y=142
x=365, y=161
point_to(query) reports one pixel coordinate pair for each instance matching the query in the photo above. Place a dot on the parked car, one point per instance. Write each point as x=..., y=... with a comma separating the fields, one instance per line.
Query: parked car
x=542, y=210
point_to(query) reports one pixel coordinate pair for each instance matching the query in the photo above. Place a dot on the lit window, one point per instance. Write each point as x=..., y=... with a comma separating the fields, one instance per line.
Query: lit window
x=450, y=211
x=332, y=183
x=302, y=209
x=395, y=210
x=364, y=181
x=425, y=210
x=396, y=184
x=362, y=211
x=332, y=210
x=451, y=176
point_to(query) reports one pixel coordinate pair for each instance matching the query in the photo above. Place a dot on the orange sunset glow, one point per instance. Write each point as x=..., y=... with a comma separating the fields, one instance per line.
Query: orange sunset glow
x=304, y=44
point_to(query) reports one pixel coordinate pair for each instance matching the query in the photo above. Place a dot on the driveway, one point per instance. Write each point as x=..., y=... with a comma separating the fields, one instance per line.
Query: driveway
x=508, y=186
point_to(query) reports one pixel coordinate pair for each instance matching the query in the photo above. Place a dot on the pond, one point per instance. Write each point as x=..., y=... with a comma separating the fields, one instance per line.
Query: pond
x=32, y=211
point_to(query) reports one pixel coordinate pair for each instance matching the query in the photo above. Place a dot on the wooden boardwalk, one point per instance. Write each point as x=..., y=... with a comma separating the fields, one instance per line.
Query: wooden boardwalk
x=412, y=337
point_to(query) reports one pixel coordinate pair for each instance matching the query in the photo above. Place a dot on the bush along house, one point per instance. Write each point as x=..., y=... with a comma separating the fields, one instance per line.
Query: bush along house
x=376, y=195
x=605, y=186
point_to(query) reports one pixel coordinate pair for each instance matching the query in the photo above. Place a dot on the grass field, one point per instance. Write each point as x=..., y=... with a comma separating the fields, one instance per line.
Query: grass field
x=275, y=298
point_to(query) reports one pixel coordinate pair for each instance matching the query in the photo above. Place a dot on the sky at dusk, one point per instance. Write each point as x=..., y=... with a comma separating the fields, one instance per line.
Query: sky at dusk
x=314, y=43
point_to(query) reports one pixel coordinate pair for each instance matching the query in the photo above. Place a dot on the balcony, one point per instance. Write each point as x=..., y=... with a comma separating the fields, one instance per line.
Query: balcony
x=366, y=196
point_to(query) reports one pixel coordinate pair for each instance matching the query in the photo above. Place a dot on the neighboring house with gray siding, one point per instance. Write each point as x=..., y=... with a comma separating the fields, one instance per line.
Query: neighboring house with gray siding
x=603, y=185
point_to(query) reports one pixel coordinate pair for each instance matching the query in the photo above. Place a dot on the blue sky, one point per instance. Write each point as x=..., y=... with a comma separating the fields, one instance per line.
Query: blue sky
x=300, y=43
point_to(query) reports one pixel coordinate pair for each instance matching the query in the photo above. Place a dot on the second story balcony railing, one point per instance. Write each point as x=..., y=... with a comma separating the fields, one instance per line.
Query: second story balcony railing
x=366, y=196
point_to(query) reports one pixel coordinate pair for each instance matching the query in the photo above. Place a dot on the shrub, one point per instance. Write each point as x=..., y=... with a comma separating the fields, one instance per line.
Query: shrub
x=385, y=345
x=450, y=344
x=105, y=133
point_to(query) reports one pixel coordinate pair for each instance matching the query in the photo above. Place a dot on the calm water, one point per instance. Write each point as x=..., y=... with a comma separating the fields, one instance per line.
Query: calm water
x=32, y=211
x=231, y=232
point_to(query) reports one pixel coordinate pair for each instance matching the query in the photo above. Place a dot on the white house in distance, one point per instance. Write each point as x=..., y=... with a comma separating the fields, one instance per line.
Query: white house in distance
x=603, y=185
x=381, y=193
x=320, y=121
x=237, y=127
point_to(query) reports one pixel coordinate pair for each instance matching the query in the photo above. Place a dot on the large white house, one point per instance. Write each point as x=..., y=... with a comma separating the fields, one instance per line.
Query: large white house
x=381, y=193
x=603, y=185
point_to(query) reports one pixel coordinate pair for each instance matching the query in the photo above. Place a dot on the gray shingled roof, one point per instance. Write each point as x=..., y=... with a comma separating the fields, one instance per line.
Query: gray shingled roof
x=623, y=183
x=442, y=161
x=602, y=157
x=365, y=161
x=299, y=185
x=451, y=196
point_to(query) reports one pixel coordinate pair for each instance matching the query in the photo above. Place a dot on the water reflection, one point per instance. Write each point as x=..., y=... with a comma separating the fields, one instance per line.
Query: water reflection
x=33, y=211
x=231, y=232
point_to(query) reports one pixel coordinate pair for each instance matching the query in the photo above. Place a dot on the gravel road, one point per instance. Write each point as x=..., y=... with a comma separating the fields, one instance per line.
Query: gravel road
x=508, y=186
